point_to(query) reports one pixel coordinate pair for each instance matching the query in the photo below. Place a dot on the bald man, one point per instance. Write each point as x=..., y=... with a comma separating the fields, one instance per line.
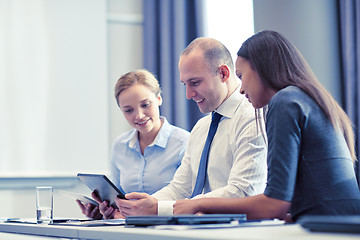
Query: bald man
x=237, y=158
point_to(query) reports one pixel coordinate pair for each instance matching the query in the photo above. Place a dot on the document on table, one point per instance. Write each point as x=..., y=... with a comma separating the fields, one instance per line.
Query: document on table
x=72, y=222
x=92, y=223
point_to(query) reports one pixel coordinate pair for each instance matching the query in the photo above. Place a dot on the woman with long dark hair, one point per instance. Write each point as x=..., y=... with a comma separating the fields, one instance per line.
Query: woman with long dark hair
x=310, y=138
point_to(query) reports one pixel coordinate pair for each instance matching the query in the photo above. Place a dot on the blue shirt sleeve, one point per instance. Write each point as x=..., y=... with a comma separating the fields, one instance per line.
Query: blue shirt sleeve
x=283, y=128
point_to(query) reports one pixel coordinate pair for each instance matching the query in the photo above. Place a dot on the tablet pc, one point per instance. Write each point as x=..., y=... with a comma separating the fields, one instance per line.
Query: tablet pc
x=106, y=189
x=82, y=198
x=150, y=220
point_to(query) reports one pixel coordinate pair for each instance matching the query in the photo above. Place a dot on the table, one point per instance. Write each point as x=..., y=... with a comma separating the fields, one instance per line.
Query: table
x=291, y=231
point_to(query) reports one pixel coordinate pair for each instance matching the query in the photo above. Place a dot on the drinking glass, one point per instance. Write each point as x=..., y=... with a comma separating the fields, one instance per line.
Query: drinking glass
x=44, y=205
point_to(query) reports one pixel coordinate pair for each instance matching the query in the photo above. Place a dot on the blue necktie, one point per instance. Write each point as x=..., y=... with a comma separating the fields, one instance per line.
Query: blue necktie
x=200, y=179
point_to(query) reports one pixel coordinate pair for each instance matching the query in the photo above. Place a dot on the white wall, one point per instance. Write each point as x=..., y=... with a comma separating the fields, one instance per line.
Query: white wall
x=54, y=115
x=125, y=50
x=77, y=106
x=18, y=196
x=121, y=51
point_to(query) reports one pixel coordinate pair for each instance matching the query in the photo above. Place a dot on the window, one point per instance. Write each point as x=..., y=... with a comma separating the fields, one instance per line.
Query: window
x=229, y=21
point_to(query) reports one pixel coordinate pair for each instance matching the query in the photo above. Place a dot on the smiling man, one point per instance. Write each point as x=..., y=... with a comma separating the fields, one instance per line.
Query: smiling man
x=236, y=162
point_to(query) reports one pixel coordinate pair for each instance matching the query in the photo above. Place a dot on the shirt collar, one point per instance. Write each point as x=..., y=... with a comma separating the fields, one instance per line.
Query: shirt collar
x=230, y=105
x=163, y=135
x=160, y=140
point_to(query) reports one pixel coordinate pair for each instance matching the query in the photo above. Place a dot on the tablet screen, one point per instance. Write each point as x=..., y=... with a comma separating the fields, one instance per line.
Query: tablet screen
x=106, y=189
x=82, y=198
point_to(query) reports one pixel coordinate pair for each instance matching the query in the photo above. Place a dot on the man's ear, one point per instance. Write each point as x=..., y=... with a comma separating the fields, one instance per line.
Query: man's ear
x=159, y=98
x=224, y=72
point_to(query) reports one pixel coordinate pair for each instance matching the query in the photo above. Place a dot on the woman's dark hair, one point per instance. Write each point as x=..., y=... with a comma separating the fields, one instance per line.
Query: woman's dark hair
x=280, y=64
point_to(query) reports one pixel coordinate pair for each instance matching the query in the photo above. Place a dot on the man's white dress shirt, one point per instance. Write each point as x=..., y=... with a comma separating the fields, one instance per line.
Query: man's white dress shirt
x=237, y=158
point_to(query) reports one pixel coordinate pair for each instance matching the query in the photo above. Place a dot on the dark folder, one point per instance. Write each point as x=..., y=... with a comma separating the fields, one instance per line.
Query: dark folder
x=345, y=224
x=151, y=220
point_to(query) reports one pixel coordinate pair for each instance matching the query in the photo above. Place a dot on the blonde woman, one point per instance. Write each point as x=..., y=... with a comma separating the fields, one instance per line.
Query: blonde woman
x=145, y=158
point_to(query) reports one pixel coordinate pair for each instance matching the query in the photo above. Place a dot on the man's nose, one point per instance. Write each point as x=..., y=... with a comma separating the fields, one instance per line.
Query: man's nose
x=190, y=93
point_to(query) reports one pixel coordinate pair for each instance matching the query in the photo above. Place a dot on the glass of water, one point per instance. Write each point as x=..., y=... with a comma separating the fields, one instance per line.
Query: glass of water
x=44, y=205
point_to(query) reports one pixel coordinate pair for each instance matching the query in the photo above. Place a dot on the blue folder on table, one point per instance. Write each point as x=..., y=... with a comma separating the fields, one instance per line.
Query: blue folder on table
x=151, y=220
x=344, y=224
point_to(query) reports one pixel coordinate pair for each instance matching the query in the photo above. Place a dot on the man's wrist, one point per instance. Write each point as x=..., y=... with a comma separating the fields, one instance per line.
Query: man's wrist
x=156, y=206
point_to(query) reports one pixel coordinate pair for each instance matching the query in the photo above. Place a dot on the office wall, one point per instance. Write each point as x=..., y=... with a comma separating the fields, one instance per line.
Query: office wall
x=123, y=50
x=312, y=27
x=18, y=196
x=53, y=80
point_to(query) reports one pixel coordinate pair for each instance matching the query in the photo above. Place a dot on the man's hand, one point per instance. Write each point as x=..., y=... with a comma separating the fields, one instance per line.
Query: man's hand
x=137, y=204
x=109, y=212
x=186, y=206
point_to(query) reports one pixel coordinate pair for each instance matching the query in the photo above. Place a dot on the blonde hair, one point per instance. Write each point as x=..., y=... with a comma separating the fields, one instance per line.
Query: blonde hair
x=280, y=64
x=140, y=76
